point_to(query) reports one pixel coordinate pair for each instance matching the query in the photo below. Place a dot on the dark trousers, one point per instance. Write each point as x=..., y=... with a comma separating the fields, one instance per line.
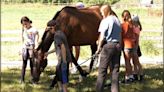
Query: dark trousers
x=54, y=81
x=110, y=56
x=62, y=72
x=27, y=54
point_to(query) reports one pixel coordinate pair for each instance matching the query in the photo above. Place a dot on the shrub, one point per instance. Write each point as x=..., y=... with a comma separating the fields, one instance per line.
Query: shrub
x=148, y=48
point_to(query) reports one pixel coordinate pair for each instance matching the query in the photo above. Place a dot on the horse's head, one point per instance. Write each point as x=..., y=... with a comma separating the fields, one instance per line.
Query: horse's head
x=40, y=60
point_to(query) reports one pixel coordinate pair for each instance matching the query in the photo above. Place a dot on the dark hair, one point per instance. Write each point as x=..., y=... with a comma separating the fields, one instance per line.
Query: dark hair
x=113, y=13
x=54, y=23
x=26, y=19
x=124, y=12
x=126, y=18
x=51, y=23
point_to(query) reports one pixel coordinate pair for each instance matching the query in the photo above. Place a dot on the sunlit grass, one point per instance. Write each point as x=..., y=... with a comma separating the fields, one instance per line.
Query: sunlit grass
x=10, y=79
x=40, y=14
x=10, y=51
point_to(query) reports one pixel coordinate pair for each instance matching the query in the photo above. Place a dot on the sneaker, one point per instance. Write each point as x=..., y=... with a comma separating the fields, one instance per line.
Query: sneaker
x=127, y=81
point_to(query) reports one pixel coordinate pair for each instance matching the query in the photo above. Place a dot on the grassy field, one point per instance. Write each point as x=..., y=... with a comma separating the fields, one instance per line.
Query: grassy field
x=40, y=14
x=10, y=81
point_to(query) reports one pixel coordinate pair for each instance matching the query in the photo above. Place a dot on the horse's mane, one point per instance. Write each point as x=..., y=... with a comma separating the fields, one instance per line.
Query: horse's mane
x=58, y=12
x=43, y=37
x=71, y=9
x=56, y=15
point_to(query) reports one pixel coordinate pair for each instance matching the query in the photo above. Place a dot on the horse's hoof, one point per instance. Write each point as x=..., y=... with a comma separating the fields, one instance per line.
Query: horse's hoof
x=52, y=86
x=84, y=74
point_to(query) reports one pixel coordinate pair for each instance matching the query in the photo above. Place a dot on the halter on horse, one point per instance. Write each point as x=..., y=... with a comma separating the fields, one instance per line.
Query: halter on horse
x=73, y=23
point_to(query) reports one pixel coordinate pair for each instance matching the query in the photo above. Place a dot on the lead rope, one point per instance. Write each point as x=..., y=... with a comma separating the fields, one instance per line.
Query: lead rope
x=94, y=56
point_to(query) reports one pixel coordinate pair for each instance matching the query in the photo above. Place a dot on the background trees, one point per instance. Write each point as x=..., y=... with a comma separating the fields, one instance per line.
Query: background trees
x=60, y=1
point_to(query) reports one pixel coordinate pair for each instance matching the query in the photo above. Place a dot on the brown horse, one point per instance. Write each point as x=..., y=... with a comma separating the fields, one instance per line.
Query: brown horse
x=81, y=28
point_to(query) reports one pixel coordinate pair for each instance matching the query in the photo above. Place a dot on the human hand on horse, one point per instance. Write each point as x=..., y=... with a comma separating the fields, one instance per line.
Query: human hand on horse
x=46, y=53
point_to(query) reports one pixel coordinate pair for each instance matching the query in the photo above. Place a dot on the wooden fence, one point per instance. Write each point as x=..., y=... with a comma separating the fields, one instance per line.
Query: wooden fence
x=158, y=38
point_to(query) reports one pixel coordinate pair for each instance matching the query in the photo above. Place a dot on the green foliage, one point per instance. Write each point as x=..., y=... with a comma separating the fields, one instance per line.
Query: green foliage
x=113, y=1
x=73, y=1
x=149, y=48
x=61, y=1
x=10, y=51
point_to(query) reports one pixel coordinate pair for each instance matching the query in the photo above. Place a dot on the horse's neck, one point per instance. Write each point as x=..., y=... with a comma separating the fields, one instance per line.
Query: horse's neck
x=46, y=44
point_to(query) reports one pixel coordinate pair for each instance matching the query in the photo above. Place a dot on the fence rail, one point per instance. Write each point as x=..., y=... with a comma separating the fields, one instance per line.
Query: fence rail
x=153, y=38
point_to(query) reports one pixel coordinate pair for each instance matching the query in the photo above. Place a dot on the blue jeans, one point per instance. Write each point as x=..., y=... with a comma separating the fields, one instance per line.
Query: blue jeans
x=110, y=56
x=62, y=72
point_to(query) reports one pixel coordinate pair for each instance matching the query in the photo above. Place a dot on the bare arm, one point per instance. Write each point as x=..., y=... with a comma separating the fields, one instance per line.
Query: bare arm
x=47, y=53
x=100, y=42
x=137, y=33
x=22, y=35
x=52, y=51
x=37, y=40
x=137, y=40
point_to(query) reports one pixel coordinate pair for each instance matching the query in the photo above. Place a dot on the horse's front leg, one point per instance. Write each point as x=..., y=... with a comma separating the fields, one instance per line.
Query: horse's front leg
x=93, y=49
x=82, y=72
x=34, y=67
x=77, y=52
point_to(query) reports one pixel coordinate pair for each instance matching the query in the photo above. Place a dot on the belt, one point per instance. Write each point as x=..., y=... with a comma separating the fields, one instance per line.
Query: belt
x=112, y=42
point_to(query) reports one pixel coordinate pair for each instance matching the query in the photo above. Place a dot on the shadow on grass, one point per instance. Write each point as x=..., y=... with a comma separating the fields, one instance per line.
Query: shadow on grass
x=10, y=81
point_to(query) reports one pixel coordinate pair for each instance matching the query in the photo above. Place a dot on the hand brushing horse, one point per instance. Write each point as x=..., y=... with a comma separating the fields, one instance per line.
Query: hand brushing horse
x=81, y=28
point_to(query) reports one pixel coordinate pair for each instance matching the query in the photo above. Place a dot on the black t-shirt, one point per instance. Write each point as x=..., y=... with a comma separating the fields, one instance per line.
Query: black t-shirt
x=60, y=38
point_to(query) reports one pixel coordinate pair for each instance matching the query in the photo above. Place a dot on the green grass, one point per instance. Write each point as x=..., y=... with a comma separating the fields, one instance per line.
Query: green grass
x=10, y=35
x=151, y=34
x=40, y=14
x=10, y=81
x=9, y=51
